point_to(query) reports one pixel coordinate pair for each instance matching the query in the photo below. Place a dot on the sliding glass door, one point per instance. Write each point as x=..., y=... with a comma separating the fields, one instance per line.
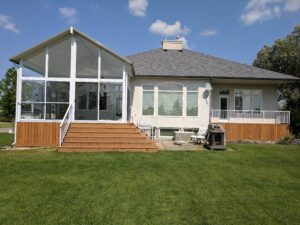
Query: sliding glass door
x=98, y=101
x=86, y=101
x=110, y=101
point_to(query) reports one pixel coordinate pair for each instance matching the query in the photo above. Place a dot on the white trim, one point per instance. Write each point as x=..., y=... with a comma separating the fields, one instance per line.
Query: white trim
x=184, y=102
x=99, y=64
x=124, y=99
x=46, y=79
x=46, y=62
x=98, y=121
x=155, y=100
x=19, y=91
x=72, y=96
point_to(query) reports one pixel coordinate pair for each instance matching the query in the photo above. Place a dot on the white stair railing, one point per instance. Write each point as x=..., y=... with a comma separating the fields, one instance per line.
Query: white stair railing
x=65, y=123
x=147, y=129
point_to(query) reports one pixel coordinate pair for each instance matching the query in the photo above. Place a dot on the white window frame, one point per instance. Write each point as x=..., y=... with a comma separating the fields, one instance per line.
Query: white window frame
x=186, y=111
x=172, y=91
x=251, y=91
x=142, y=101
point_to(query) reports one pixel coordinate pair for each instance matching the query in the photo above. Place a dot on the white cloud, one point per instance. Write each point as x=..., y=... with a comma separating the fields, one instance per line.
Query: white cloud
x=292, y=5
x=208, y=32
x=70, y=14
x=260, y=10
x=6, y=24
x=161, y=27
x=185, y=42
x=138, y=7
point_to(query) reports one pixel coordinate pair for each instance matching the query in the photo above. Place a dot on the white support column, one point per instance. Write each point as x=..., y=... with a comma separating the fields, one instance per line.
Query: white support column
x=45, y=82
x=155, y=100
x=99, y=85
x=72, y=94
x=19, y=91
x=124, y=95
x=184, y=101
x=47, y=62
x=18, y=98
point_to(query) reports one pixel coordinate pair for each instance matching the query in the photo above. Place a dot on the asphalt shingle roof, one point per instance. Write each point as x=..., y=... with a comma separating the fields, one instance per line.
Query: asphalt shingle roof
x=187, y=63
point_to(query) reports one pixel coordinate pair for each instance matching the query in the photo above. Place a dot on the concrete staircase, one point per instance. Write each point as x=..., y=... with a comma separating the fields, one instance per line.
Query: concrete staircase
x=94, y=137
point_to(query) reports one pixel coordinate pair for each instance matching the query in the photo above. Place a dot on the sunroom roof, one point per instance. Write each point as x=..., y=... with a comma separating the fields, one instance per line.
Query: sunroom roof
x=16, y=58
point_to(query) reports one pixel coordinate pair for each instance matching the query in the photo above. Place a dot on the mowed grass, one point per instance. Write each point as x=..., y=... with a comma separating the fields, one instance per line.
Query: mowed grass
x=254, y=184
x=5, y=125
x=6, y=139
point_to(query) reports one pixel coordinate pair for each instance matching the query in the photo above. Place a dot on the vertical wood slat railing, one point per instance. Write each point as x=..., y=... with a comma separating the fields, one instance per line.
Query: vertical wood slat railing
x=65, y=124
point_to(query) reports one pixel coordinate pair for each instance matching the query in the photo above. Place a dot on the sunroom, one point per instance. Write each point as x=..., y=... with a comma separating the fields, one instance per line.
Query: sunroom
x=74, y=76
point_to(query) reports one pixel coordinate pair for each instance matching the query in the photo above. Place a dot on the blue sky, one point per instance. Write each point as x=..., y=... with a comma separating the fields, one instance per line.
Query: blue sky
x=231, y=29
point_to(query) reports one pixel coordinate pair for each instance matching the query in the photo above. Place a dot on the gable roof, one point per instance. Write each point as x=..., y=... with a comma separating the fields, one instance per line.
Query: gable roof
x=187, y=63
x=16, y=58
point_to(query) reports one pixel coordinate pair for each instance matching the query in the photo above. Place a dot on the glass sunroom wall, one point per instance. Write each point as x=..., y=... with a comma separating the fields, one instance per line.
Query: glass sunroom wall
x=57, y=99
x=59, y=62
x=32, y=100
x=87, y=59
x=111, y=101
x=34, y=65
x=42, y=97
x=111, y=66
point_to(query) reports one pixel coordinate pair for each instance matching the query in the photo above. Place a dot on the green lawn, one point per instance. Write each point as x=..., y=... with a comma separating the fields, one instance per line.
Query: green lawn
x=5, y=125
x=254, y=184
x=6, y=139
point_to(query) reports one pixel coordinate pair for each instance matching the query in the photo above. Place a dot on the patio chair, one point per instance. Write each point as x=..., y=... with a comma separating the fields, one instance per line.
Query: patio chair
x=200, y=136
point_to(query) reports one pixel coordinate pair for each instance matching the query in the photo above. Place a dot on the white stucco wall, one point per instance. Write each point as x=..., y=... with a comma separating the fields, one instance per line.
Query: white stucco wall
x=269, y=95
x=169, y=121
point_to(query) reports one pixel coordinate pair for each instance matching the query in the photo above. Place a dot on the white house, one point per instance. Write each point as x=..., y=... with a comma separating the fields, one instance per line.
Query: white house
x=74, y=92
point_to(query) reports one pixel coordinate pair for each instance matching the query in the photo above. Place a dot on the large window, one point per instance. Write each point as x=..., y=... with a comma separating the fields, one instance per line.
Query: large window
x=57, y=99
x=32, y=100
x=35, y=105
x=170, y=99
x=60, y=59
x=34, y=66
x=248, y=99
x=148, y=100
x=111, y=66
x=87, y=59
x=192, y=101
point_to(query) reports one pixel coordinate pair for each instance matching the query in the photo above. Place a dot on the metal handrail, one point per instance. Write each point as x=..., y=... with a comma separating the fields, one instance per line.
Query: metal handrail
x=277, y=116
x=64, y=125
x=147, y=128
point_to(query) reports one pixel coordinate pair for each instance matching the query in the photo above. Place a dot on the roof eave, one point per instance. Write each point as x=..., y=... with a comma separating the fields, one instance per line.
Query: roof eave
x=288, y=79
x=16, y=58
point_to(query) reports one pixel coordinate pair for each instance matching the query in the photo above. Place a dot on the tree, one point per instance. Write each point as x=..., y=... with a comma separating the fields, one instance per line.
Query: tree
x=284, y=57
x=8, y=95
